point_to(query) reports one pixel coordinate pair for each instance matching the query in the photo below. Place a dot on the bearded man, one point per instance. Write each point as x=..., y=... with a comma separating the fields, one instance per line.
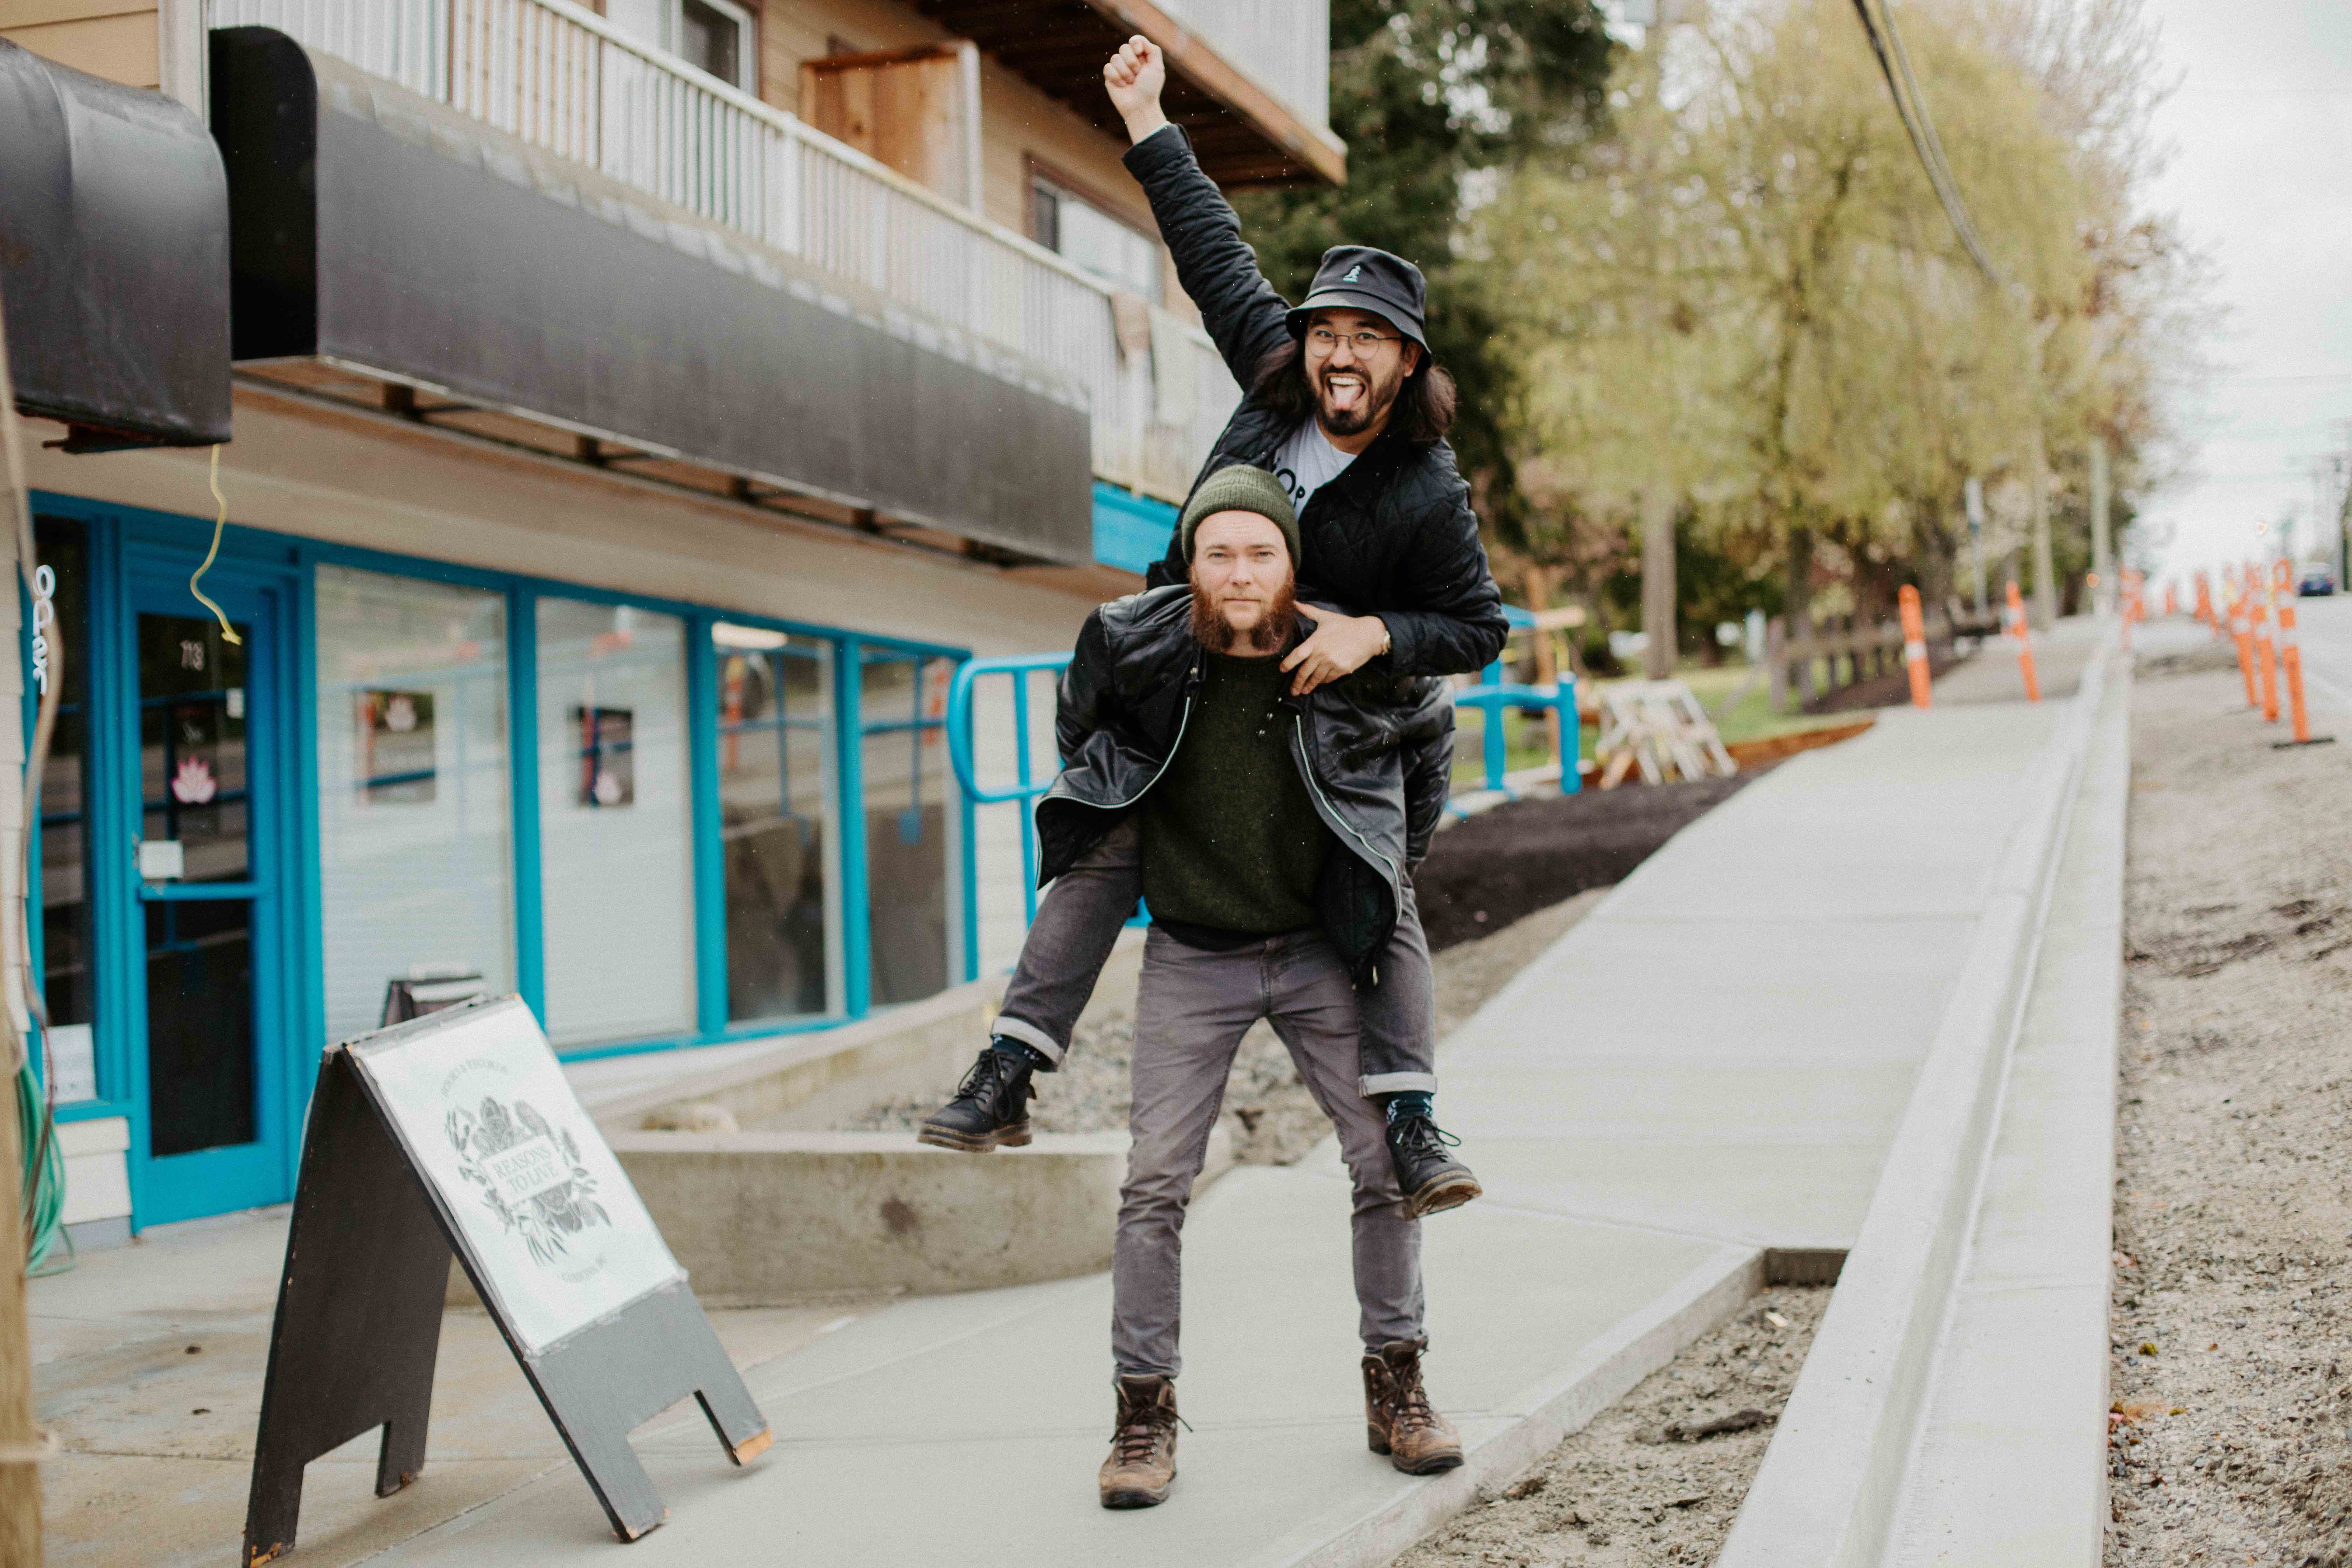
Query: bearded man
x=1346, y=409
x=1271, y=827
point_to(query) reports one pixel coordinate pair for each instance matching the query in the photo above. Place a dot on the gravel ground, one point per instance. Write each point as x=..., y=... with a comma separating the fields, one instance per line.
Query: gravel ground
x=1639, y=1485
x=1273, y=1119
x=2229, y=1370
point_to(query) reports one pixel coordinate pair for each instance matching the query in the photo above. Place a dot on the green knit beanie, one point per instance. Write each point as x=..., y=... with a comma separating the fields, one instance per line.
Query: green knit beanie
x=1240, y=488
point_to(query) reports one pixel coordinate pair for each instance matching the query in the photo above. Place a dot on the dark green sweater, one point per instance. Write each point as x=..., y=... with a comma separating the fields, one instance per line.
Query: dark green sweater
x=1230, y=841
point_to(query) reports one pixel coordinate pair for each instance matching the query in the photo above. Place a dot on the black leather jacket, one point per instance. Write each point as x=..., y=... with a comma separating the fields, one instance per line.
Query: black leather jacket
x=1393, y=535
x=1375, y=751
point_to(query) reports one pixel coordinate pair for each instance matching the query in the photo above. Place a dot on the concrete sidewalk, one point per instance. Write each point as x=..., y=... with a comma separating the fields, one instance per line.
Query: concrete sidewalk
x=2060, y=655
x=1711, y=1065
x=1698, y=1083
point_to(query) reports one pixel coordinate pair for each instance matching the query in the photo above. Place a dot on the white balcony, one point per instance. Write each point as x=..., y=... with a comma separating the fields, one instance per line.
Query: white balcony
x=560, y=77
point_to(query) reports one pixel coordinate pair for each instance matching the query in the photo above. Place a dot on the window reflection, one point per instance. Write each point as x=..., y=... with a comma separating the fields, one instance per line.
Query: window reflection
x=615, y=825
x=415, y=876
x=69, y=982
x=775, y=794
x=905, y=702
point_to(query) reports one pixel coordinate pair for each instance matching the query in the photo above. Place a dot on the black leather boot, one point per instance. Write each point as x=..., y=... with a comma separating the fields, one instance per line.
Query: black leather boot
x=1433, y=1180
x=991, y=1108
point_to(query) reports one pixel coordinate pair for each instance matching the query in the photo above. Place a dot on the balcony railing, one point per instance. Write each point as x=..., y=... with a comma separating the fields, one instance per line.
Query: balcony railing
x=560, y=77
x=1287, y=46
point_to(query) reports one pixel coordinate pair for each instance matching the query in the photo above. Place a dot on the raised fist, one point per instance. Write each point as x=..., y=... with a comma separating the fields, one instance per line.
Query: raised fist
x=1134, y=77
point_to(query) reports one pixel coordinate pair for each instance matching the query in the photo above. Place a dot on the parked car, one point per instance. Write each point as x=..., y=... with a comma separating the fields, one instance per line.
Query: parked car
x=2318, y=579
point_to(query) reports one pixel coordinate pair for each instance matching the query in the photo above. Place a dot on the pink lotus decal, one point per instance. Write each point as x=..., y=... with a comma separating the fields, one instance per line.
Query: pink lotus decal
x=194, y=785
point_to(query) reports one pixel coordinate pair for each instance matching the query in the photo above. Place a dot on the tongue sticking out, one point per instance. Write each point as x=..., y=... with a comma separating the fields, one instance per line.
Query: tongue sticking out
x=1343, y=394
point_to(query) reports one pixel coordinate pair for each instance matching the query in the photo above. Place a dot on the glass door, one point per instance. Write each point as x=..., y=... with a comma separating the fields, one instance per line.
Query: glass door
x=206, y=987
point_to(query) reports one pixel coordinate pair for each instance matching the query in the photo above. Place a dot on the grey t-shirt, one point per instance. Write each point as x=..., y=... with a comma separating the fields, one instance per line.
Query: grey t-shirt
x=1308, y=461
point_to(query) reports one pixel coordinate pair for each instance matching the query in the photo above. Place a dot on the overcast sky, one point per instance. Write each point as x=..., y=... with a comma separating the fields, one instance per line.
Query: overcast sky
x=2261, y=178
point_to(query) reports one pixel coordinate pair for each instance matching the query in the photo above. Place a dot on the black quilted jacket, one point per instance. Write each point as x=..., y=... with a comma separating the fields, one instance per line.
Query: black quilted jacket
x=1375, y=751
x=1393, y=535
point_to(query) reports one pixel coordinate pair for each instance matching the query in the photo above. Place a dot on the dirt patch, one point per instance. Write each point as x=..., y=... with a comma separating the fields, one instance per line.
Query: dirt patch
x=1505, y=864
x=1273, y=1119
x=1750, y=754
x=1657, y=1477
x=2231, y=1380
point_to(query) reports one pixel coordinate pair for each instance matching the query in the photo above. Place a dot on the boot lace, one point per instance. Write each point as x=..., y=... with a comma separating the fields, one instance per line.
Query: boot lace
x=1408, y=1400
x=987, y=1079
x=1138, y=1432
x=1419, y=1138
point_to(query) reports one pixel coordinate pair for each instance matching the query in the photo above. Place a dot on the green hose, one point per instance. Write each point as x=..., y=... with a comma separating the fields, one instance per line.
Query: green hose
x=44, y=1179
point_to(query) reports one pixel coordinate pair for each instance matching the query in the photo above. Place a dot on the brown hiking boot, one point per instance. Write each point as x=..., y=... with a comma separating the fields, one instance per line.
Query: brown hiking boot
x=1397, y=1416
x=1142, y=1463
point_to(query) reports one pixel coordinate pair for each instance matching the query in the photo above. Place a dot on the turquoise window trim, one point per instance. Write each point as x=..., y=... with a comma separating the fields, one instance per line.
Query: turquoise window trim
x=522, y=786
x=710, y=820
x=116, y=529
x=849, y=773
x=1131, y=532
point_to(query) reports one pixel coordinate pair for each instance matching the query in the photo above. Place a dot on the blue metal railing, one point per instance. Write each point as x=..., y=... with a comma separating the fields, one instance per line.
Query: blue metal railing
x=1494, y=694
x=1024, y=787
x=1491, y=697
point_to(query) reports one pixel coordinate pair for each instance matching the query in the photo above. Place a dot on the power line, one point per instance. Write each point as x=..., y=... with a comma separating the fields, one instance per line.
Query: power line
x=1921, y=128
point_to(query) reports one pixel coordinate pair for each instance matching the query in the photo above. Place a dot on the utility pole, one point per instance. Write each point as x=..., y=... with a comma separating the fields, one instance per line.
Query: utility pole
x=20, y=1443
x=1658, y=496
x=1972, y=497
x=2103, y=548
x=2342, y=468
x=2037, y=476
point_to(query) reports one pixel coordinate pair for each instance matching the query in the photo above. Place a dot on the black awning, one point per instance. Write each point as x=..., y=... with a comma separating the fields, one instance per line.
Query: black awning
x=394, y=236
x=114, y=261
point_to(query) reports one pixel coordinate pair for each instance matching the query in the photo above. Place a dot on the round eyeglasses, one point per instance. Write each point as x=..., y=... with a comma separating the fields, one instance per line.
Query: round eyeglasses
x=1323, y=340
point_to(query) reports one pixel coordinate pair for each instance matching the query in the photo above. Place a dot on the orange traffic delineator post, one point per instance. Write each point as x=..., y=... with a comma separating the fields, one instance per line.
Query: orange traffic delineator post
x=2266, y=651
x=1914, y=644
x=2241, y=631
x=2016, y=628
x=2291, y=661
x=2205, y=617
x=2171, y=597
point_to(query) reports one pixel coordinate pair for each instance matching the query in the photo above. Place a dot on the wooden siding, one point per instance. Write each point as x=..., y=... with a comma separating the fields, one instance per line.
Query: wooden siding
x=117, y=39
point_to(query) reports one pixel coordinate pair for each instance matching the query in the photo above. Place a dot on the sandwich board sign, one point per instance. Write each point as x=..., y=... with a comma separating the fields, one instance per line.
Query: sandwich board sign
x=457, y=1132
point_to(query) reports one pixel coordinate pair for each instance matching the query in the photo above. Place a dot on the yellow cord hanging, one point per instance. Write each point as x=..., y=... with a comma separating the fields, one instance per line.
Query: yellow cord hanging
x=220, y=521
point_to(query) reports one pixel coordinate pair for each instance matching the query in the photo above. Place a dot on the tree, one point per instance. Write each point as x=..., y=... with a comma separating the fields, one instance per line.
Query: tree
x=1837, y=365
x=1431, y=96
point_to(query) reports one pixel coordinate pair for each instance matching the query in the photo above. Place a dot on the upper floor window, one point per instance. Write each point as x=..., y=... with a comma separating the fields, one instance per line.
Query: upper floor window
x=714, y=35
x=1091, y=239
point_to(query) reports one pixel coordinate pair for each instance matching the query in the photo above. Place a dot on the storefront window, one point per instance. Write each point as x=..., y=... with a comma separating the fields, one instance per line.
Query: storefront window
x=615, y=822
x=66, y=954
x=904, y=700
x=415, y=853
x=775, y=799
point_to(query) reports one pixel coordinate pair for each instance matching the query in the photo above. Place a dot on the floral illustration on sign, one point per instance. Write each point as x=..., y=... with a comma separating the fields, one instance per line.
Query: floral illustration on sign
x=529, y=1173
x=194, y=785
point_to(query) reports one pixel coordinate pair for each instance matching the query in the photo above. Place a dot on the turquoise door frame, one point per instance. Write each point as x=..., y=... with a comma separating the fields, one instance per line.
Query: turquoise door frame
x=248, y=1173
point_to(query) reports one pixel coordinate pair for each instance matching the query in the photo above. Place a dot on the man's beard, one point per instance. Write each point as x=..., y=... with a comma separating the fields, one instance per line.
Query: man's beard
x=1208, y=627
x=1379, y=398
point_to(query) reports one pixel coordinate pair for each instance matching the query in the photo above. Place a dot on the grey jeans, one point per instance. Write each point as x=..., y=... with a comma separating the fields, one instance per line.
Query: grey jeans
x=1190, y=1014
x=1079, y=918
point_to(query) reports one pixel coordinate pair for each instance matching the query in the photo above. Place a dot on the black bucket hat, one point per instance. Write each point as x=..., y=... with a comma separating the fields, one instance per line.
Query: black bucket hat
x=1358, y=278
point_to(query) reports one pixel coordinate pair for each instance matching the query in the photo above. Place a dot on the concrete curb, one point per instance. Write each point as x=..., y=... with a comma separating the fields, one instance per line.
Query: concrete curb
x=1551, y=1410
x=1833, y=1478
x=2010, y=1461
